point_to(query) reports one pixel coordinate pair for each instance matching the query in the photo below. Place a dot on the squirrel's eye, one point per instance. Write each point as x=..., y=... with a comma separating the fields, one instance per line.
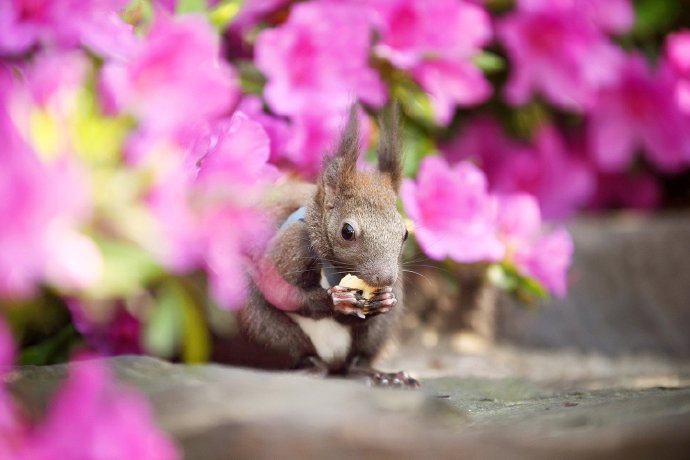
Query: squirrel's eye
x=348, y=232
x=406, y=235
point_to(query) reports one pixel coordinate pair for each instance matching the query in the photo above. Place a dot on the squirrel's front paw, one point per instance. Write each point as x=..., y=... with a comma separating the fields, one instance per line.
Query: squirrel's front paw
x=381, y=302
x=347, y=301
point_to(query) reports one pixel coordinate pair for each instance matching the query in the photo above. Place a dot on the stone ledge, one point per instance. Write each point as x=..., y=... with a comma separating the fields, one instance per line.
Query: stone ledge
x=217, y=412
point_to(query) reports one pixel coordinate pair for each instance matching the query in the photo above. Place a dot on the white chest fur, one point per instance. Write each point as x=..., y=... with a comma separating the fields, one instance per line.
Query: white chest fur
x=331, y=339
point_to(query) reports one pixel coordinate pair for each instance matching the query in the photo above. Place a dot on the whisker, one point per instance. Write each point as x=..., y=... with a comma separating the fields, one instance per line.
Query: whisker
x=424, y=277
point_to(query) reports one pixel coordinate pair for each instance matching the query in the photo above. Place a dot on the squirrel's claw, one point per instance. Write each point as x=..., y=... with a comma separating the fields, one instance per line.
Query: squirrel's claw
x=382, y=301
x=346, y=300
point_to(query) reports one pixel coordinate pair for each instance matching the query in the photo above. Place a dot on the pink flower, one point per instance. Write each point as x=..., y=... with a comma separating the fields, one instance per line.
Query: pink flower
x=277, y=129
x=678, y=57
x=207, y=206
x=453, y=213
x=483, y=140
x=548, y=169
x=545, y=257
x=558, y=51
x=318, y=58
x=435, y=41
x=42, y=204
x=313, y=134
x=90, y=417
x=64, y=23
x=561, y=181
x=547, y=260
x=113, y=331
x=174, y=79
x=627, y=190
x=236, y=155
x=640, y=111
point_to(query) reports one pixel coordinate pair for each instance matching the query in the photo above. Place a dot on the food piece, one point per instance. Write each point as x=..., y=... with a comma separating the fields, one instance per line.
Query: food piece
x=351, y=281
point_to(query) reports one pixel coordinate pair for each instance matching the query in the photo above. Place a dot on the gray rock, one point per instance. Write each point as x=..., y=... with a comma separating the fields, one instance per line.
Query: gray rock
x=630, y=291
x=218, y=412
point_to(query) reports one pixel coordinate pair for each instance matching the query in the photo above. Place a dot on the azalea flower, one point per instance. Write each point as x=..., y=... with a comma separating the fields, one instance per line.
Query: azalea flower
x=640, y=111
x=88, y=417
x=543, y=256
x=66, y=24
x=435, y=41
x=546, y=168
x=174, y=80
x=677, y=52
x=206, y=207
x=559, y=52
x=318, y=58
x=453, y=214
x=42, y=202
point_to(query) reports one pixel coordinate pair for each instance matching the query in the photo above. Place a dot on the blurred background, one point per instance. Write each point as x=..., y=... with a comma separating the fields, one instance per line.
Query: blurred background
x=547, y=165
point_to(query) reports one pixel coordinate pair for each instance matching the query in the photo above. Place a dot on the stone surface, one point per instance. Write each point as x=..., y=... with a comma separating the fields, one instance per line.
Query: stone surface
x=629, y=291
x=218, y=412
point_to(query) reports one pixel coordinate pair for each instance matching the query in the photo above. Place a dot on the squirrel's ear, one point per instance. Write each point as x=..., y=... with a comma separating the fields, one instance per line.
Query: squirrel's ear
x=338, y=169
x=389, y=151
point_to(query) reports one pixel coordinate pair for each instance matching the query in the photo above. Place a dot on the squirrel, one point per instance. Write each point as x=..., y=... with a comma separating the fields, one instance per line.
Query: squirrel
x=346, y=223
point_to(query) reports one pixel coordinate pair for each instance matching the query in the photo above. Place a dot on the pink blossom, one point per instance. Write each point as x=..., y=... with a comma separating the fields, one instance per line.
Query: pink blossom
x=207, y=214
x=558, y=51
x=547, y=260
x=12, y=428
x=450, y=83
x=435, y=41
x=64, y=23
x=640, y=111
x=174, y=79
x=318, y=58
x=453, y=213
x=545, y=257
x=277, y=129
x=236, y=155
x=627, y=190
x=483, y=140
x=314, y=134
x=678, y=57
x=90, y=417
x=561, y=180
x=41, y=204
x=113, y=331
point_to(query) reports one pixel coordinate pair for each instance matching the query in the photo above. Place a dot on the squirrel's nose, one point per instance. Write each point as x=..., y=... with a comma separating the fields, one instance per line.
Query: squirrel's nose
x=384, y=279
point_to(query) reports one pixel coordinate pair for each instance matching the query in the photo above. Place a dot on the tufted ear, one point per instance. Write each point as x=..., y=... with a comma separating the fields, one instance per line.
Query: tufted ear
x=338, y=170
x=389, y=151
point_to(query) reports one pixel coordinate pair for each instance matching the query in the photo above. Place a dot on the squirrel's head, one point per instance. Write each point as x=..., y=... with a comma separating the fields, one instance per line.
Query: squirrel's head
x=354, y=221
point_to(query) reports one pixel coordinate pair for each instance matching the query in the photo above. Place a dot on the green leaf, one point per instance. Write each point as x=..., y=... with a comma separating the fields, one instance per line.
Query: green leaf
x=502, y=277
x=507, y=277
x=655, y=16
x=417, y=145
x=489, y=62
x=126, y=269
x=251, y=78
x=224, y=12
x=54, y=349
x=190, y=6
x=414, y=101
x=196, y=342
x=163, y=329
x=138, y=13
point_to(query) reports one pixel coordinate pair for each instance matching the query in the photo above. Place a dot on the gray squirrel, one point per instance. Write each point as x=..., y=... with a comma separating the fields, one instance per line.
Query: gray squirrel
x=346, y=223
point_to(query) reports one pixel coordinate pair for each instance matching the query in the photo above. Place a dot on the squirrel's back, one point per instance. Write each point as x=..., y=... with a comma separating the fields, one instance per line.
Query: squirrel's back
x=284, y=198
